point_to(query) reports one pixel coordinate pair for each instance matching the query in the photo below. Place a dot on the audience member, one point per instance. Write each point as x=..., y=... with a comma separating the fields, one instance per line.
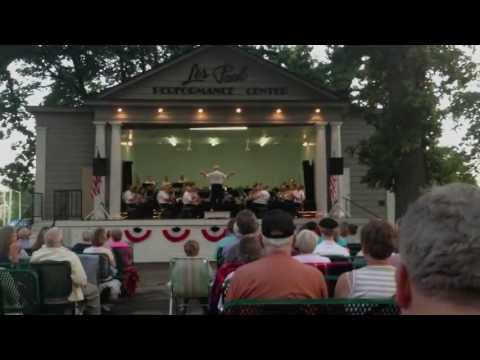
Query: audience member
x=191, y=248
x=99, y=240
x=23, y=237
x=277, y=275
x=229, y=238
x=10, y=249
x=377, y=279
x=306, y=242
x=85, y=243
x=328, y=246
x=40, y=241
x=246, y=223
x=440, y=253
x=82, y=290
x=116, y=241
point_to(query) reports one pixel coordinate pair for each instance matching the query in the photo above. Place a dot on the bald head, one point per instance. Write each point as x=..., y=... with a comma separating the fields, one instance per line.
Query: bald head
x=54, y=237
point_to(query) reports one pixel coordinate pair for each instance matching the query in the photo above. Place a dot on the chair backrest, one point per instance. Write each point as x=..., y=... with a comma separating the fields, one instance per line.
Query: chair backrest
x=104, y=266
x=335, y=269
x=359, y=262
x=91, y=265
x=349, y=307
x=190, y=277
x=320, y=266
x=11, y=299
x=55, y=281
x=28, y=286
x=338, y=258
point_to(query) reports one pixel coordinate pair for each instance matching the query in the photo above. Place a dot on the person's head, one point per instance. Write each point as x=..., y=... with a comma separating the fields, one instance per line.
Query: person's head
x=245, y=223
x=191, y=248
x=23, y=233
x=87, y=236
x=8, y=236
x=328, y=227
x=278, y=229
x=440, y=253
x=40, y=241
x=352, y=229
x=344, y=230
x=250, y=248
x=53, y=238
x=216, y=167
x=306, y=241
x=99, y=237
x=376, y=239
x=312, y=226
x=116, y=235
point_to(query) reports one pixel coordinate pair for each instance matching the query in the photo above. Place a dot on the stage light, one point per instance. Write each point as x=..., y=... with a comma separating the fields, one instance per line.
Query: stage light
x=238, y=111
x=230, y=128
x=160, y=110
x=201, y=111
x=279, y=111
x=214, y=141
x=318, y=111
x=119, y=110
x=264, y=140
x=172, y=141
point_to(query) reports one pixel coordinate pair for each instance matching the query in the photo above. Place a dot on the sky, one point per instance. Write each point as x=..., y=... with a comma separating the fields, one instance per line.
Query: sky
x=450, y=137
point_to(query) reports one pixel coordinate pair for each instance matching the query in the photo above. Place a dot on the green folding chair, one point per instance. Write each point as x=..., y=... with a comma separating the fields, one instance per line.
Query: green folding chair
x=28, y=286
x=11, y=299
x=189, y=280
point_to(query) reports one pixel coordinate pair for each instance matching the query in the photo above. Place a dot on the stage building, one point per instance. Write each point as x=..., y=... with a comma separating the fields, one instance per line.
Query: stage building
x=214, y=105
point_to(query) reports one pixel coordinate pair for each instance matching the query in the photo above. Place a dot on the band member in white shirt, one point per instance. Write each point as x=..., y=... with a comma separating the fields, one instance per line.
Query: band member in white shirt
x=259, y=200
x=164, y=196
x=216, y=179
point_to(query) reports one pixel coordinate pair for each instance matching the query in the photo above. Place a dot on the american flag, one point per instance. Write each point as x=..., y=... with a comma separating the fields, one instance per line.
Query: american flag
x=96, y=183
x=333, y=189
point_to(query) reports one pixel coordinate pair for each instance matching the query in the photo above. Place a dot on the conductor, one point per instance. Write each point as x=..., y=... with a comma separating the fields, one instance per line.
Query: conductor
x=216, y=179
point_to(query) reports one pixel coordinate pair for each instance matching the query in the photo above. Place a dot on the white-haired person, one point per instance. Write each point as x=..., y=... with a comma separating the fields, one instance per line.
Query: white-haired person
x=439, y=245
x=377, y=279
x=81, y=289
x=305, y=243
x=277, y=276
x=85, y=243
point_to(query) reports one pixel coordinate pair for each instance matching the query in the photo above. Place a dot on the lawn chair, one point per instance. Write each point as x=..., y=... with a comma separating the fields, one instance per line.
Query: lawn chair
x=334, y=270
x=349, y=307
x=189, y=280
x=55, y=286
x=10, y=296
x=91, y=265
x=28, y=286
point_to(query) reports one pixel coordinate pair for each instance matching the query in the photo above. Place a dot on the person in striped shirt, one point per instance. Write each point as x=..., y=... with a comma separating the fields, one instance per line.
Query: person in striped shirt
x=377, y=279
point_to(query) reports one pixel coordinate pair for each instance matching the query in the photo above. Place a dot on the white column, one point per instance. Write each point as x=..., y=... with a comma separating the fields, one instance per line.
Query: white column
x=336, y=146
x=321, y=169
x=41, y=159
x=391, y=207
x=115, y=170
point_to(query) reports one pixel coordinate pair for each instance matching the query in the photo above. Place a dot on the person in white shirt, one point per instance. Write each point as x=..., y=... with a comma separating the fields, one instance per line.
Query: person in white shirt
x=259, y=200
x=164, y=196
x=329, y=247
x=81, y=290
x=216, y=178
x=99, y=241
x=305, y=243
x=188, y=196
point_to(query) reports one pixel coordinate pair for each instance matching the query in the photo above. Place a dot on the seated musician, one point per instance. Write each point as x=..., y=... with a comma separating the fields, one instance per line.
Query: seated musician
x=129, y=196
x=299, y=196
x=190, y=200
x=164, y=196
x=259, y=198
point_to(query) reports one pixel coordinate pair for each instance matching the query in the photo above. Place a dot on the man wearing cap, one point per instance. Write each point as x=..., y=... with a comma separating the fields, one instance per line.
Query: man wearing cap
x=277, y=276
x=328, y=245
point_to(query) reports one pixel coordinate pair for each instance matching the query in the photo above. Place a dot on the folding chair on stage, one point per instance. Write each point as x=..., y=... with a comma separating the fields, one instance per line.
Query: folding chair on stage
x=189, y=280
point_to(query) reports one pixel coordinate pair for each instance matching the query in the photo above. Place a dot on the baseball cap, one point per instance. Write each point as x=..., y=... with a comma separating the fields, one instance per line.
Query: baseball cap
x=277, y=224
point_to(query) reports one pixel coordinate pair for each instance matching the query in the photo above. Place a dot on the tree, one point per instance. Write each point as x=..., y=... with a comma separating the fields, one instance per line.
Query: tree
x=398, y=93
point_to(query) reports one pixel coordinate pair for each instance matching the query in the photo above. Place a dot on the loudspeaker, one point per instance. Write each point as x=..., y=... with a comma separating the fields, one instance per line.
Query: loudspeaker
x=127, y=175
x=335, y=166
x=100, y=167
x=308, y=180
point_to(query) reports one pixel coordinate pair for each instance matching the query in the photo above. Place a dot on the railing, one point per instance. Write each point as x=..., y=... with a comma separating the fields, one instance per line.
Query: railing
x=363, y=208
x=67, y=204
